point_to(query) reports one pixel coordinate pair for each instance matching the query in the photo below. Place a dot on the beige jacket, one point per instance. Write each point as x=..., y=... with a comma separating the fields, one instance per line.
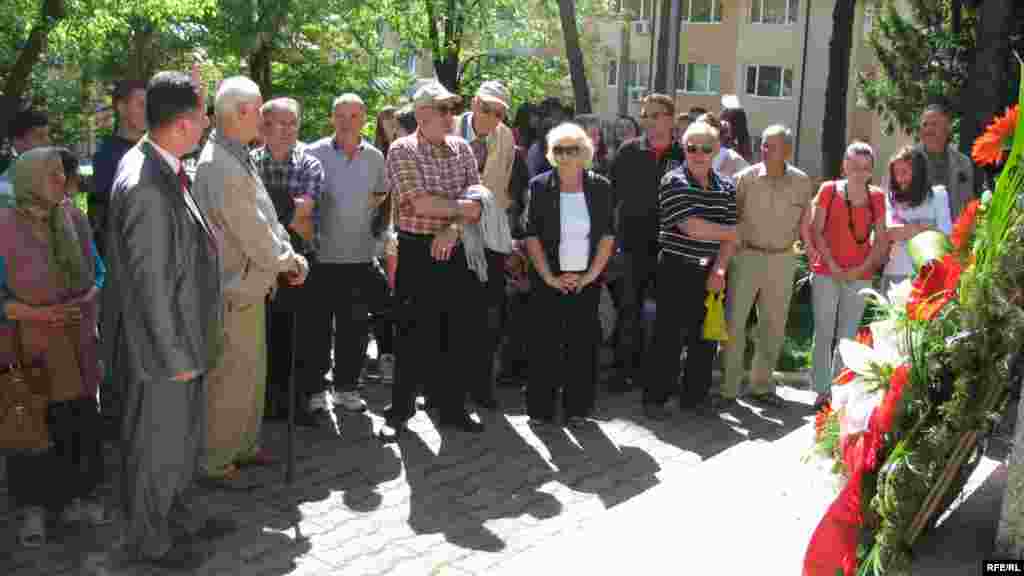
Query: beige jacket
x=501, y=153
x=255, y=246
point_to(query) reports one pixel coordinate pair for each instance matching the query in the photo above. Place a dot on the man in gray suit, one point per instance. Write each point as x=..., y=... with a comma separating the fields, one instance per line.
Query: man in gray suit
x=946, y=165
x=162, y=314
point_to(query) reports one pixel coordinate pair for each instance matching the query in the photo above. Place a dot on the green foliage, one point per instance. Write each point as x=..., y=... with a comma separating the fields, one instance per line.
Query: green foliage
x=920, y=58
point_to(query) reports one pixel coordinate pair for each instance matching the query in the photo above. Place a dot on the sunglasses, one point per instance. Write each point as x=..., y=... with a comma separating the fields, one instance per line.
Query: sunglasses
x=565, y=150
x=444, y=108
x=705, y=148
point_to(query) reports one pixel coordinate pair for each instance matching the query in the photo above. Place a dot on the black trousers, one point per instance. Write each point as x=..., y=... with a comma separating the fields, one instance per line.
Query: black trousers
x=291, y=306
x=382, y=311
x=515, y=354
x=72, y=468
x=638, y=267
x=492, y=319
x=438, y=325
x=563, y=351
x=680, y=294
x=341, y=293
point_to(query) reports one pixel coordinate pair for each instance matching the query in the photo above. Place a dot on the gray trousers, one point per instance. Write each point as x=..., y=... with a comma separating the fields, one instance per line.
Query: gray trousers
x=163, y=430
x=837, y=312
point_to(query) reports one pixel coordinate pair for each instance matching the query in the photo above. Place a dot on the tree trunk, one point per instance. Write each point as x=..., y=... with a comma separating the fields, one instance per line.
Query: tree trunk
x=447, y=70
x=985, y=92
x=18, y=78
x=664, y=30
x=580, y=89
x=259, y=69
x=833, y=130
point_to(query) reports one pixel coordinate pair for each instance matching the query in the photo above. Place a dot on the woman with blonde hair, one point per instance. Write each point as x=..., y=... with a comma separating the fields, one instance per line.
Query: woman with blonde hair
x=569, y=235
x=50, y=275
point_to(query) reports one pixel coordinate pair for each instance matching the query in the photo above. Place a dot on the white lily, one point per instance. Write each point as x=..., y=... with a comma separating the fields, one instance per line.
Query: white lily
x=856, y=399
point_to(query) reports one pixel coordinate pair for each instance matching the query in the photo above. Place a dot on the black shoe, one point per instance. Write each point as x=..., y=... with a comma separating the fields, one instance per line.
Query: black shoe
x=463, y=423
x=306, y=419
x=182, y=557
x=656, y=412
x=620, y=384
x=217, y=527
x=390, y=431
x=489, y=403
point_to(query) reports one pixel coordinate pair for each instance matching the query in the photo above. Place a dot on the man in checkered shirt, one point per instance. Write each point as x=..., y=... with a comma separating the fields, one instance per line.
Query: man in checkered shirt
x=294, y=179
x=435, y=179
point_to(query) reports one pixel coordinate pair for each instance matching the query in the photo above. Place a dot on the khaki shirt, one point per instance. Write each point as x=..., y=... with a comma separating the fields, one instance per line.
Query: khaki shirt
x=769, y=208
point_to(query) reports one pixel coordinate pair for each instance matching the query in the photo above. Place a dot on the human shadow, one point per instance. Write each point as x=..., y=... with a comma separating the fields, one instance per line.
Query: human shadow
x=588, y=461
x=472, y=479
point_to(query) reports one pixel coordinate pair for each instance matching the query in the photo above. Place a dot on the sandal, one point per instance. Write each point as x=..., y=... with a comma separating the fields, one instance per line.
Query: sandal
x=33, y=528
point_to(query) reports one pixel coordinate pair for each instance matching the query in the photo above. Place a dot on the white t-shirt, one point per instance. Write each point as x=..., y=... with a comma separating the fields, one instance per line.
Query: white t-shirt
x=933, y=211
x=574, y=245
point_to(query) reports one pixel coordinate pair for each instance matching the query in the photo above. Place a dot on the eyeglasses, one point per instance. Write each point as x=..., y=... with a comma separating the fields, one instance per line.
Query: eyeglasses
x=705, y=148
x=652, y=115
x=571, y=150
x=444, y=108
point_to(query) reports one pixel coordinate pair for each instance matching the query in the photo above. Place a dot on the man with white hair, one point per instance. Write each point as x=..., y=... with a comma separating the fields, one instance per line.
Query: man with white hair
x=294, y=179
x=494, y=147
x=773, y=200
x=256, y=250
x=342, y=277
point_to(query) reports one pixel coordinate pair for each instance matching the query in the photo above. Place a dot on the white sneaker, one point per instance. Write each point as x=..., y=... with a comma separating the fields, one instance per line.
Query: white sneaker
x=350, y=400
x=386, y=368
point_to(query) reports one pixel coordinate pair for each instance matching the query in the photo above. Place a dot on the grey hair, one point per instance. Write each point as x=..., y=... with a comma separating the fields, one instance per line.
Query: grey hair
x=778, y=130
x=570, y=131
x=282, y=105
x=233, y=92
x=348, y=98
x=860, y=148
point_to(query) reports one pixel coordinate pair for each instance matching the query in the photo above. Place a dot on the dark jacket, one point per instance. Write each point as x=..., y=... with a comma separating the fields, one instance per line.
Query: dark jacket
x=636, y=176
x=543, y=215
x=162, y=306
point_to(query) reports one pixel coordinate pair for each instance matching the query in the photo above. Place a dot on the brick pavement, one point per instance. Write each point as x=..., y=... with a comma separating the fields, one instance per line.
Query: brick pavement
x=434, y=503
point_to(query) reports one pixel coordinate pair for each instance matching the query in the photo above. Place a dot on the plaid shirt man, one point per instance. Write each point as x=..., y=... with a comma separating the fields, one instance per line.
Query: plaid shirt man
x=300, y=175
x=416, y=167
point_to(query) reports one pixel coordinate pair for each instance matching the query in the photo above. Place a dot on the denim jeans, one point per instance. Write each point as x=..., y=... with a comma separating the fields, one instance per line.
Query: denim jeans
x=838, y=308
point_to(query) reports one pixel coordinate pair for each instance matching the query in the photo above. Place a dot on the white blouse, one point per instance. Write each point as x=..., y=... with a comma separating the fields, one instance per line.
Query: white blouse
x=934, y=211
x=574, y=246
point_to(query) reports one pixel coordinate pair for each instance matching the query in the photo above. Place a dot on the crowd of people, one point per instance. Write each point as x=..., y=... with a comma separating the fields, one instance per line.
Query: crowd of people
x=475, y=251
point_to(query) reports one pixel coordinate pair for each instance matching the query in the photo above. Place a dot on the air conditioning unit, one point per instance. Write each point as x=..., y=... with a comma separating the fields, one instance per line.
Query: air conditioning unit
x=641, y=28
x=637, y=93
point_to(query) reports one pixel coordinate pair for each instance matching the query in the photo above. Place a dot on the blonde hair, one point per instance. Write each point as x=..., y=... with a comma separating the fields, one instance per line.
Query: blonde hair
x=570, y=131
x=700, y=129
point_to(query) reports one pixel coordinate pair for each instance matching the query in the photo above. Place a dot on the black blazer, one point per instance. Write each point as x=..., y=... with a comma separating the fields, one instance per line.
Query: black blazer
x=544, y=213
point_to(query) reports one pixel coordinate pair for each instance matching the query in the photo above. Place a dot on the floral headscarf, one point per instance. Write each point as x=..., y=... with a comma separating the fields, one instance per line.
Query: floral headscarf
x=43, y=209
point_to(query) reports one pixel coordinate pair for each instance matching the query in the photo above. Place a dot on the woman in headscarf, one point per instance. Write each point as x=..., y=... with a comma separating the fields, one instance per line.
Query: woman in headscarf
x=50, y=275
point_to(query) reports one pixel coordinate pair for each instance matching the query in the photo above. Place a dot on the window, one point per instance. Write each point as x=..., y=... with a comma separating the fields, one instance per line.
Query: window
x=638, y=73
x=774, y=11
x=705, y=11
x=699, y=78
x=770, y=81
x=613, y=72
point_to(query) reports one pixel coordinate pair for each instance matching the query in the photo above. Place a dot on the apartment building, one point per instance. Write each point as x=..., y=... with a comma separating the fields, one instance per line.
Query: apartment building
x=773, y=54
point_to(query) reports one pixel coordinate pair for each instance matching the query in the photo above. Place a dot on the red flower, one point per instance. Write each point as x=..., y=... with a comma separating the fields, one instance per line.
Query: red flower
x=865, y=337
x=884, y=415
x=990, y=149
x=934, y=286
x=821, y=419
x=845, y=377
x=964, y=227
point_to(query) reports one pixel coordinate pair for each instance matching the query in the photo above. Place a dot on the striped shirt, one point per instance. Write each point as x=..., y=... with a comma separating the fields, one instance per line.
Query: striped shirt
x=679, y=198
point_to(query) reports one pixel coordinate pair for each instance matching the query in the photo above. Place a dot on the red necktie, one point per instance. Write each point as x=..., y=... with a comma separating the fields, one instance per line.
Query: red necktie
x=183, y=178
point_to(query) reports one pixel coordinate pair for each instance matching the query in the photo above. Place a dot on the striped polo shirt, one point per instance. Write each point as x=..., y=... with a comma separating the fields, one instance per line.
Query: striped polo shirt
x=679, y=198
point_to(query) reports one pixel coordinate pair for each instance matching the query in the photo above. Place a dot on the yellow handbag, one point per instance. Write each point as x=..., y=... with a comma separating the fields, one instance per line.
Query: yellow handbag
x=714, y=321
